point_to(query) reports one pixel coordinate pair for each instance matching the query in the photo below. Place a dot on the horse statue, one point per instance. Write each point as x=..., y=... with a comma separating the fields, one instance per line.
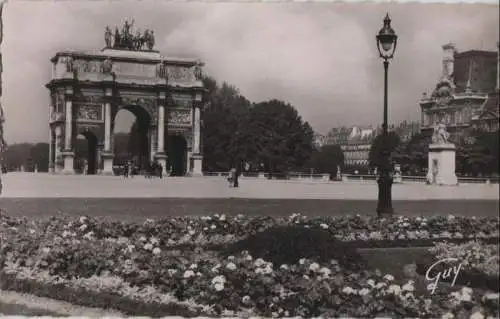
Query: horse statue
x=440, y=135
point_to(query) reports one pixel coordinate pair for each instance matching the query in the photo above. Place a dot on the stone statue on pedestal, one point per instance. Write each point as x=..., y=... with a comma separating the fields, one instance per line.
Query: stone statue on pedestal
x=107, y=37
x=126, y=39
x=440, y=135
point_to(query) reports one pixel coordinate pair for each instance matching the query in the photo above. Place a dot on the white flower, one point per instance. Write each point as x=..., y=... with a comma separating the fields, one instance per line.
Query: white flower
x=218, y=279
x=231, y=266
x=191, y=232
x=66, y=234
x=408, y=286
x=267, y=270
x=394, y=289
x=466, y=290
x=193, y=266
x=451, y=217
x=83, y=219
x=219, y=286
x=171, y=271
x=389, y=277
x=222, y=217
x=231, y=258
x=466, y=297
x=154, y=240
x=46, y=250
x=32, y=231
x=371, y=282
x=325, y=271
x=245, y=299
x=213, y=226
x=324, y=226
x=364, y=292
x=302, y=261
x=83, y=227
x=314, y=267
x=447, y=315
x=284, y=267
x=348, y=290
x=148, y=246
x=156, y=250
x=215, y=268
x=142, y=238
x=380, y=285
x=477, y=315
x=88, y=235
x=306, y=277
x=188, y=274
x=130, y=248
x=259, y=262
x=491, y=296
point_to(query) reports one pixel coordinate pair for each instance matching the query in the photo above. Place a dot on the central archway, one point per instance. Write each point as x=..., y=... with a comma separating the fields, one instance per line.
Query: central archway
x=177, y=155
x=136, y=147
x=86, y=154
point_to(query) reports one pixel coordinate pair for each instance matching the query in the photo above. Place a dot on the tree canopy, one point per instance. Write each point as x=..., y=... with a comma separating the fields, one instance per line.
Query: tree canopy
x=378, y=144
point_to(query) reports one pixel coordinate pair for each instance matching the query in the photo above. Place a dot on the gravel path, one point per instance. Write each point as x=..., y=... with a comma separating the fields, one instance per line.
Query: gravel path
x=18, y=185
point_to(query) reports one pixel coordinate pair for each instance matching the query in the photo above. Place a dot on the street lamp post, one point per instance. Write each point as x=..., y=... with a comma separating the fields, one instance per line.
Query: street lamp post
x=386, y=44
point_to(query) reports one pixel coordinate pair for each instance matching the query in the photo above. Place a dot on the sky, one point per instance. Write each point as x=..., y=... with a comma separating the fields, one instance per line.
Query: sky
x=320, y=57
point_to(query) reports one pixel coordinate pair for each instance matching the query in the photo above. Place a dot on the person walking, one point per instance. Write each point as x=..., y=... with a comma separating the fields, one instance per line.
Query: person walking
x=235, y=178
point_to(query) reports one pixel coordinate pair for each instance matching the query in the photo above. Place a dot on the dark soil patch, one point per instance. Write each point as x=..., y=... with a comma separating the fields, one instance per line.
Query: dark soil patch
x=287, y=245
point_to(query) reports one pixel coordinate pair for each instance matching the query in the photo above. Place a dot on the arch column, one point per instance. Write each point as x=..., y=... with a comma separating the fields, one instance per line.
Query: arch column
x=107, y=154
x=160, y=156
x=68, y=154
x=196, y=156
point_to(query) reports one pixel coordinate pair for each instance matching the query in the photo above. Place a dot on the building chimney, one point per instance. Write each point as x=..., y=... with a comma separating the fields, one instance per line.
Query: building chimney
x=449, y=51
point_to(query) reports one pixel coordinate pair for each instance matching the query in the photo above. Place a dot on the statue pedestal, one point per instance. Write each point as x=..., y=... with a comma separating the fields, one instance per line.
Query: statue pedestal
x=68, y=158
x=441, y=168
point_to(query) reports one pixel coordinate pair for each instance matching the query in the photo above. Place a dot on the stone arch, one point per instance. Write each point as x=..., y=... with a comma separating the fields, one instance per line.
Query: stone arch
x=177, y=154
x=86, y=158
x=141, y=142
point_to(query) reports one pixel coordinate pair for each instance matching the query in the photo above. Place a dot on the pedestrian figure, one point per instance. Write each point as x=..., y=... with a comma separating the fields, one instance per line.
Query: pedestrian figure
x=230, y=177
x=235, y=175
x=125, y=170
x=159, y=169
x=130, y=169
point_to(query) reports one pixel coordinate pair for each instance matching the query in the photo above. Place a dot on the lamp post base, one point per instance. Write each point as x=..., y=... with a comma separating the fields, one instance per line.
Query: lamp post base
x=384, y=205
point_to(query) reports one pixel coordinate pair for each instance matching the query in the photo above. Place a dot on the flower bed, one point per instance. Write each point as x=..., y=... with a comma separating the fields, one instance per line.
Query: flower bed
x=137, y=269
x=480, y=263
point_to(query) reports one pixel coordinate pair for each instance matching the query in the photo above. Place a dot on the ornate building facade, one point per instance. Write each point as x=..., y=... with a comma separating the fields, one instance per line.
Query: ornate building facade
x=88, y=88
x=356, y=142
x=465, y=96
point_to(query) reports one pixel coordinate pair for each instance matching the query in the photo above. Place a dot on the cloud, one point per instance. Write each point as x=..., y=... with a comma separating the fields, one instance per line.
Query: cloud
x=320, y=57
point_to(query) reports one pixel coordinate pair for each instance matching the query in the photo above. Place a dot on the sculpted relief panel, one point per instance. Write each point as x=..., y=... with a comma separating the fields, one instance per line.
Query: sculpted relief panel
x=178, y=74
x=89, y=112
x=179, y=117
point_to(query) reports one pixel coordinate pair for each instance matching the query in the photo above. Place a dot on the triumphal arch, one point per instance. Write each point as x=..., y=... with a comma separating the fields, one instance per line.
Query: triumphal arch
x=88, y=88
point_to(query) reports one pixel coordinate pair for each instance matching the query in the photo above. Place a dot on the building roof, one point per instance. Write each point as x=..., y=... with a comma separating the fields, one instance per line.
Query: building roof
x=127, y=55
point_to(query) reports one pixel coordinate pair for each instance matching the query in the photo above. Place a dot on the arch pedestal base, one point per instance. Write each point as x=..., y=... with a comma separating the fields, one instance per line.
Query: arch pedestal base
x=68, y=158
x=107, y=161
x=162, y=158
x=197, y=165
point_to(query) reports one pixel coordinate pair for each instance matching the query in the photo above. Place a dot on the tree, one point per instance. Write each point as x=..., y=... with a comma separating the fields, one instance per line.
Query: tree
x=40, y=155
x=223, y=122
x=374, y=155
x=416, y=154
x=482, y=156
x=277, y=136
x=327, y=160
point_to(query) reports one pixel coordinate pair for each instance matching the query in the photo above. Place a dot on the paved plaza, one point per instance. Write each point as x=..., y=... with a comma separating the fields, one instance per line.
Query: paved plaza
x=30, y=185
